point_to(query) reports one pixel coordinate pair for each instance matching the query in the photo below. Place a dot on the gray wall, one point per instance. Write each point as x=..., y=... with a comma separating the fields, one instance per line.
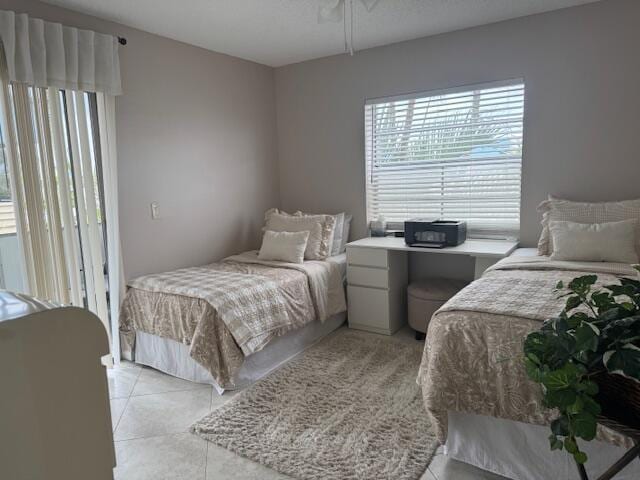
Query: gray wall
x=196, y=133
x=582, y=75
x=197, y=130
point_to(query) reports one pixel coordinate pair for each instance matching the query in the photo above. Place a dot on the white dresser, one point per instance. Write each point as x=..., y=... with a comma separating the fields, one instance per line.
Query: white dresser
x=376, y=289
x=377, y=276
x=55, y=421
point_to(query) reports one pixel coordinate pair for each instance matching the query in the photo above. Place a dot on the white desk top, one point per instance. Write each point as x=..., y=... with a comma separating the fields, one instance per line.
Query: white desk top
x=472, y=247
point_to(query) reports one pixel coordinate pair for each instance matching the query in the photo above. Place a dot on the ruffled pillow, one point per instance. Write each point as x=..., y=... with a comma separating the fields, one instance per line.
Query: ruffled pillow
x=557, y=209
x=338, y=238
x=320, y=228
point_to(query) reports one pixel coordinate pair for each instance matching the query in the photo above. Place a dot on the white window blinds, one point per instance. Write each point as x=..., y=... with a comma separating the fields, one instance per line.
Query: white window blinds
x=452, y=155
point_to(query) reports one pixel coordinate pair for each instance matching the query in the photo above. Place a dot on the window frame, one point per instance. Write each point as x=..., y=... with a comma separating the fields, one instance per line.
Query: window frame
x=477, y=232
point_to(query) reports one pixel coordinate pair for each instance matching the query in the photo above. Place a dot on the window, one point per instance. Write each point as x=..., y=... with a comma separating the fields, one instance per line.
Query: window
x=452, y=155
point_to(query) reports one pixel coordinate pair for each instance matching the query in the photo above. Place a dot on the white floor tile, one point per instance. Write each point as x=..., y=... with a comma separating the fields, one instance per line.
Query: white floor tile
x=121, y=381
x=218, y=400
x=153, y=381
x=172, y=457
x=225, y=465
x=152, y=411
x=129, y=365
x=117, y=407
x=428, y=476
x=163, y=413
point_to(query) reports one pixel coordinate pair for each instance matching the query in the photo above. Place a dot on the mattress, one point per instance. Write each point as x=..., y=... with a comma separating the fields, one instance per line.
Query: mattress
x=341, y=261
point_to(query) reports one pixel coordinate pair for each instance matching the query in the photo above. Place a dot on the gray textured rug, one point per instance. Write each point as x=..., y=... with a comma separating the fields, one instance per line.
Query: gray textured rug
x=347, y=408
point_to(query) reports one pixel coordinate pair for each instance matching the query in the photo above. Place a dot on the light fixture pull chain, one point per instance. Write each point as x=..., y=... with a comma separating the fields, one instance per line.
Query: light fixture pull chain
x=351, y=29
x=344, y=24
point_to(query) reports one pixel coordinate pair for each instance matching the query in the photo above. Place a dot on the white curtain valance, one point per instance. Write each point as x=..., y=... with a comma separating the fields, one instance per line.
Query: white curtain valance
x=46, y=54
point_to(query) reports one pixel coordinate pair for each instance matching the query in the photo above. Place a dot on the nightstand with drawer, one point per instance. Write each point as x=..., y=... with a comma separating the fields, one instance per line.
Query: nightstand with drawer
x=377, y=283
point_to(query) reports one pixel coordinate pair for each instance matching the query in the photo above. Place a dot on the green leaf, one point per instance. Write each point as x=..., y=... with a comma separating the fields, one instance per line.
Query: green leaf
x=582, y=284
x=584, y=425
x=533, y=357
x=586, y=337
x=561, y=378
x=556, y=380
x=560, y=426
x=555, y=443
x=572, y=302
x=533, y=371
x=561, y=325
x=570, y=445
x=631, y=281
x=575, y=407
x=611, y=314
x=560, y=285
x=625, y=360
x=601, y=299
x=590, y=388
x=628, y=306
x=560, y=398
x=591, y=406
x=580, y=457
x=622, y=290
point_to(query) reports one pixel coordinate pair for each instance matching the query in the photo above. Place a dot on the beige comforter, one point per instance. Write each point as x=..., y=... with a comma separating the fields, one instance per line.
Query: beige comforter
x=472, y=360
x=230, y=309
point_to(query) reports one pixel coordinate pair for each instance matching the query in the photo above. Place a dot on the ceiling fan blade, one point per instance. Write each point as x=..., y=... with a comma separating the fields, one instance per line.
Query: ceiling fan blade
x=330, y=11
x=369, y=4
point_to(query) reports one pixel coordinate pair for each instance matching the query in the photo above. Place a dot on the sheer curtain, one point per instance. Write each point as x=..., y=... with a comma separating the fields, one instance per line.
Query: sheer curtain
x=59, y=134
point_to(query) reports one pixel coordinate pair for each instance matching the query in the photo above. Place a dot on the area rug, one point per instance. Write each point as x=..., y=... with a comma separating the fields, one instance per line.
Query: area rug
x=347, y=408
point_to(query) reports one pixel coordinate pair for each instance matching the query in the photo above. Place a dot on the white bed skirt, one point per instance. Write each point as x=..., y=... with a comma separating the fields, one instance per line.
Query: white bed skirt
x=521, y=451
x=173, y=357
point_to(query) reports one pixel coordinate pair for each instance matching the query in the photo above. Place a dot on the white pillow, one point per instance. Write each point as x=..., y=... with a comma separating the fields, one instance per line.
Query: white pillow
x=584, y=212
x=320, y=228
x=594, y=242
x=345, y=232
x=284, y=246
x=338, y=232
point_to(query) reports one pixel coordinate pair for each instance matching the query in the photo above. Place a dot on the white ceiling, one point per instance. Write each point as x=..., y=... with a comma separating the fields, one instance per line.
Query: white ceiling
x=280, y=32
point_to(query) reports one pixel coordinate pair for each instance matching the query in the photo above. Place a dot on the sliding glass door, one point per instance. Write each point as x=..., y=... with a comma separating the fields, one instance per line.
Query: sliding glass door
x=52, y=208
x=11, y=268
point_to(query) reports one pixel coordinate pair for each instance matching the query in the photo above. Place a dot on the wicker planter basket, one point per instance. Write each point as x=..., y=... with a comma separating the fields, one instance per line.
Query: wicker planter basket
x=619, y=398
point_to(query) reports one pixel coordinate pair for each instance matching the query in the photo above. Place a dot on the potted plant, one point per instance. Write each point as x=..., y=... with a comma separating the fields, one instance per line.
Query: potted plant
x=587, y=360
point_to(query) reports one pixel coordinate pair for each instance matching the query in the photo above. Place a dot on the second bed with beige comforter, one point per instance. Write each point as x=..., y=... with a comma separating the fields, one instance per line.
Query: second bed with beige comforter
x=472, y=360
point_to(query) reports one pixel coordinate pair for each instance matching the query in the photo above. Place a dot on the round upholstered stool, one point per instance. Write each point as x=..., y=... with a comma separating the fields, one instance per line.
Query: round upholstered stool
x=425, y=297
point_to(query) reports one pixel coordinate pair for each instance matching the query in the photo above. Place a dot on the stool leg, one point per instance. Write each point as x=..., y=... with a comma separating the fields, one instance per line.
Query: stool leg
x=420, y=336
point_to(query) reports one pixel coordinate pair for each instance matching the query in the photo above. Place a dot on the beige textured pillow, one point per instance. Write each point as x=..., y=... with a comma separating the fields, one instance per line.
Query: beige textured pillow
x=556, y=209
x=338, y=230
x=320, y=228
x=284, y=246
x=594, y=242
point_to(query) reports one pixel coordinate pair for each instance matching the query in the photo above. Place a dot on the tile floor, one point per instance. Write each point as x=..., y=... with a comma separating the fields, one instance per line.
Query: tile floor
x=152, y=412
